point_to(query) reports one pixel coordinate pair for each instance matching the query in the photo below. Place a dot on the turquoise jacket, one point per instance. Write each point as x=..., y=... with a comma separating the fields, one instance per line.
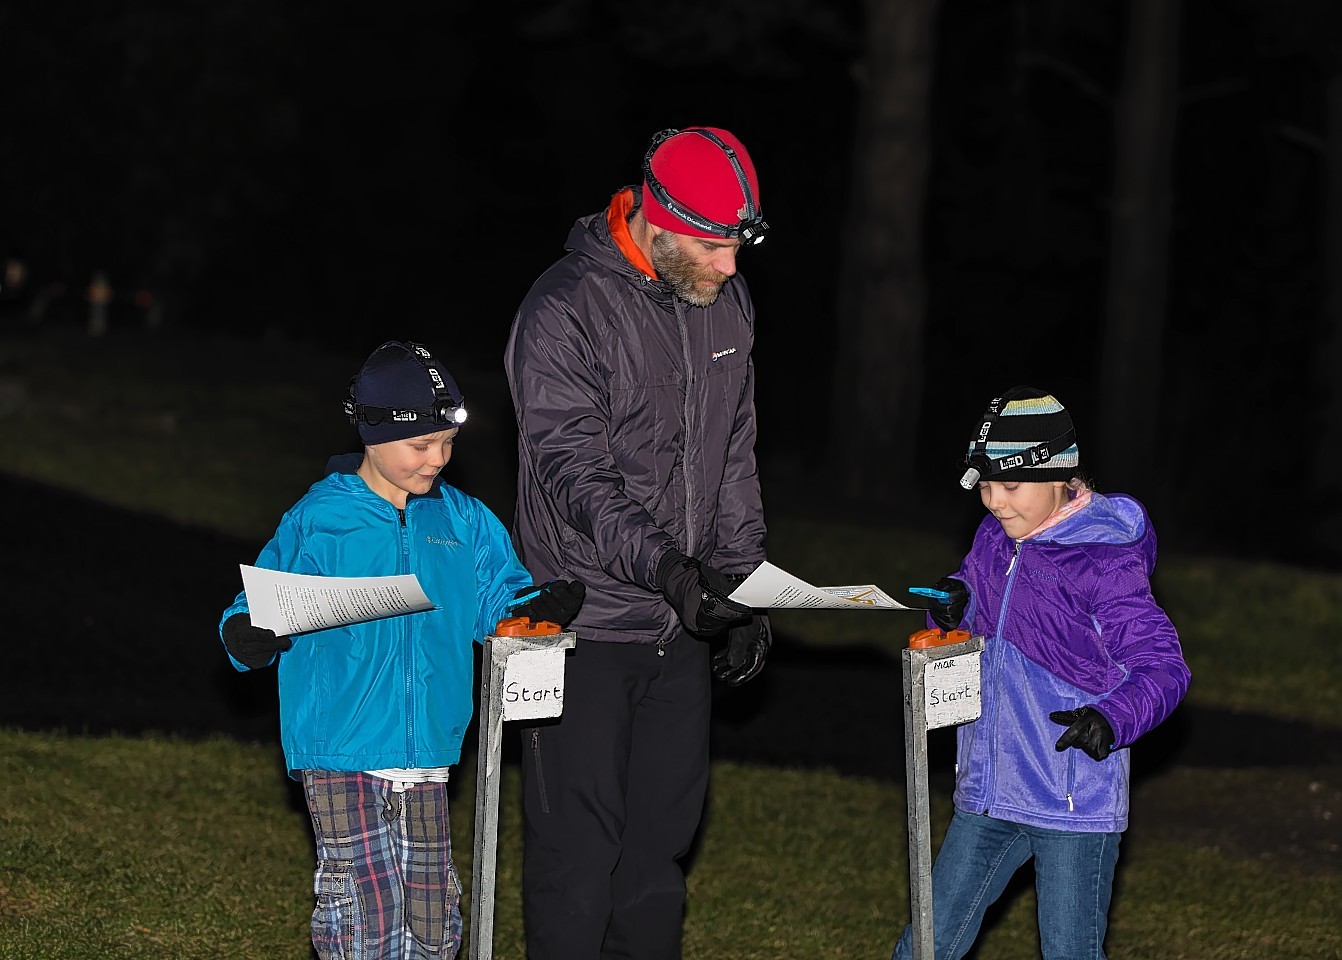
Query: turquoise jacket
x=396, y=692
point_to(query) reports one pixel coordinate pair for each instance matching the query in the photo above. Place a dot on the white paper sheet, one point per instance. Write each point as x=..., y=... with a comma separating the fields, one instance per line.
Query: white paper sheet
x=296, y=602
x=771, y=587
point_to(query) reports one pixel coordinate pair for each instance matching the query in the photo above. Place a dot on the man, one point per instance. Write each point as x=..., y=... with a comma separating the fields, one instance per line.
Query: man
x=630, y=371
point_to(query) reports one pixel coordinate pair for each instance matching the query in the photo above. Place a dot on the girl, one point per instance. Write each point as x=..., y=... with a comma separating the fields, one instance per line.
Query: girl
x=1079, y=662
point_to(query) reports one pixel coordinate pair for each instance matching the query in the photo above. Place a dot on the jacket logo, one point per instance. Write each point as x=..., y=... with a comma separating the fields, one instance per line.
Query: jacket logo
x=443, y=541
x=719, y=354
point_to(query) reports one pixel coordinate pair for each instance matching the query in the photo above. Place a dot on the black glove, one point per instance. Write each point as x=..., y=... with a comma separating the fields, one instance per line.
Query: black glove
x=698, y=593
x=557, y=602
x=743, y=657
x=253, y=647
x=948, y=614
x=1087, y=729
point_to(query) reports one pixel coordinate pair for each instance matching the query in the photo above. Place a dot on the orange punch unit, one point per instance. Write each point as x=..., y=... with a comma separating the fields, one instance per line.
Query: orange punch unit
x=932, y=637
x=525, y=627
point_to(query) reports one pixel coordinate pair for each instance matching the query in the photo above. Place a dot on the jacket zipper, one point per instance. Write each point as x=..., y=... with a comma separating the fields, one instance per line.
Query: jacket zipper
x=407, y=648
x=687, y=409
x=540, y=769
x=997, y=657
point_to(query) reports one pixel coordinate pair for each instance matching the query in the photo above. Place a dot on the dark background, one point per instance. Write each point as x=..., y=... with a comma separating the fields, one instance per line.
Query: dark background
x=335, y=173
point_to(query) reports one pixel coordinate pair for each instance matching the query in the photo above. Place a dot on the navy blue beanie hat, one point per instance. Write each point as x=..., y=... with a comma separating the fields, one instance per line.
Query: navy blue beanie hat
x=400, y=392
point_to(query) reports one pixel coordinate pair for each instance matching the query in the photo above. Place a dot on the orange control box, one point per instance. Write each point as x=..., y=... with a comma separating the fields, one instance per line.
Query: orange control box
x=525, y=627
x=931, y=637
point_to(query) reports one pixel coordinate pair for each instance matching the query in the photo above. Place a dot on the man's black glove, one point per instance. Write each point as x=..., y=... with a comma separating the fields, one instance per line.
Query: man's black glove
x=743, y=657
x=557, y=601
x=1087, y=729
x=946, y=614
x=698, y=593
x=253, y=647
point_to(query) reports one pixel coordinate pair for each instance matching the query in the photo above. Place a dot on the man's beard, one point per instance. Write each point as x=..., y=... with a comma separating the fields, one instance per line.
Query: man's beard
x=682, y=274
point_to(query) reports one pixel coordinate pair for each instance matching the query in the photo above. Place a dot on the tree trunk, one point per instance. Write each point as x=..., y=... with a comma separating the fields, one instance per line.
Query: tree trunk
x=878, y=360
x=1131, y=357
x=1324, y=485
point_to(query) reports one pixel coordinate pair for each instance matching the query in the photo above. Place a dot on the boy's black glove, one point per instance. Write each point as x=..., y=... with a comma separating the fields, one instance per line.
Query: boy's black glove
x=698, y=593
x=743, y=657
x=558, y=601
x=1087, y=729
x=948, y=615
x=253, y=647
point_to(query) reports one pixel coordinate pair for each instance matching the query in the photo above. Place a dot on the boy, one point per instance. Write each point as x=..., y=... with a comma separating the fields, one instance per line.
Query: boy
x=372, y=714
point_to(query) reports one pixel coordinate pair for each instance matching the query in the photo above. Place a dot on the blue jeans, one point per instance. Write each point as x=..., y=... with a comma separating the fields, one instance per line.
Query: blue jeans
x=1074, y=879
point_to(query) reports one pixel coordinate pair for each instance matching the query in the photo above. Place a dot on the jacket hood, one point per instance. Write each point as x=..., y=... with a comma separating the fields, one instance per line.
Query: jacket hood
x=1116, y=520
x=590, y=236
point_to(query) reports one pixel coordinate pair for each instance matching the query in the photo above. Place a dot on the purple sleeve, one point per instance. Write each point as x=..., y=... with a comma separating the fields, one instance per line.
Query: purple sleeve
x=1139, y=637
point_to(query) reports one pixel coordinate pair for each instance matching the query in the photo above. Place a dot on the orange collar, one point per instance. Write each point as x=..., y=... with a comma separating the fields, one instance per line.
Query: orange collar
x=617, y=219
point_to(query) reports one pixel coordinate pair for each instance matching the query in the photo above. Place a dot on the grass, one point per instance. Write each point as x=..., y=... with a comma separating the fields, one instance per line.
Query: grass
x=152, y=847
x=129, y=848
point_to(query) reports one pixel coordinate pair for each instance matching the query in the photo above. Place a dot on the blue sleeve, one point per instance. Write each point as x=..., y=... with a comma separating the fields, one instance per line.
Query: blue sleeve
x=499, y=572
x=283, y=552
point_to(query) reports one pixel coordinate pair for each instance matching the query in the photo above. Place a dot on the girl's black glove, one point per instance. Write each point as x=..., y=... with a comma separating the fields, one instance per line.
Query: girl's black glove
x=253, y=647
x=948, y=615
x=1087, y=729
x=557, y=601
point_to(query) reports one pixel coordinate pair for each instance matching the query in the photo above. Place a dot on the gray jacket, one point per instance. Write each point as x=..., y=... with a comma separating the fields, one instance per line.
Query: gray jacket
x=636, y=434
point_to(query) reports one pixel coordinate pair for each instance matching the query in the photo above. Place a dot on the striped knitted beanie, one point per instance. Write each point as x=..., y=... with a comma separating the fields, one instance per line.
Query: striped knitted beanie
x=1025, y=435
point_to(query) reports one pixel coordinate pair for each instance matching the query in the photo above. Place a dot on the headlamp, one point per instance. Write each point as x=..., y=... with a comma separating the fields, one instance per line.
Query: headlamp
x=447, y=410
x=750, y=229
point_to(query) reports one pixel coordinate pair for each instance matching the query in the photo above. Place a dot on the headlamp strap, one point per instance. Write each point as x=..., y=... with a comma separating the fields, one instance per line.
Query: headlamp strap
x=1039, y=453
x=751, y=227
x=445, y=405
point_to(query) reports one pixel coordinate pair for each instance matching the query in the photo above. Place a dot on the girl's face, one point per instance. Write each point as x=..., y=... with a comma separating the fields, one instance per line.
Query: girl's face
x=1020, y=507
x=397, y=469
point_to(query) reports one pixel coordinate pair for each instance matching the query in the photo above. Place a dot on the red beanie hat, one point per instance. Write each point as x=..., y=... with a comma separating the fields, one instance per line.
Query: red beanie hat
x=699, y=175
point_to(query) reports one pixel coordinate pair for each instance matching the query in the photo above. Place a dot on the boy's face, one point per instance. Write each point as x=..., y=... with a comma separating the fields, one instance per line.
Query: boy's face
x=1020, y=507
x=399, y=468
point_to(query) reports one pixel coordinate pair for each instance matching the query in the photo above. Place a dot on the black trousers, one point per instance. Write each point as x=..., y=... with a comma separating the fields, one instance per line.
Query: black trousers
x=612, y=797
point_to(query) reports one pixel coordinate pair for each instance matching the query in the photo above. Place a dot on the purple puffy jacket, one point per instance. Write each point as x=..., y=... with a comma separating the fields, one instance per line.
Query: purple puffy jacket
x=1069, y=621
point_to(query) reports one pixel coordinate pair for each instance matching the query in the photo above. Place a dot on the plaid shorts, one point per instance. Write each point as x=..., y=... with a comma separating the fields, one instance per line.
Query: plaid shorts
x=386, y=885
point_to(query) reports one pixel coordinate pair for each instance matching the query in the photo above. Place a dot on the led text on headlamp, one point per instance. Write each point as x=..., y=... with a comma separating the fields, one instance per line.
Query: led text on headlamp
x=978, y=463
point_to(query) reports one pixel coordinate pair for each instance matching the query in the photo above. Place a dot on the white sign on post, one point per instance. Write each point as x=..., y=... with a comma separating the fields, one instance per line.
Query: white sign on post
x=533, y=684
x=951, y=690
